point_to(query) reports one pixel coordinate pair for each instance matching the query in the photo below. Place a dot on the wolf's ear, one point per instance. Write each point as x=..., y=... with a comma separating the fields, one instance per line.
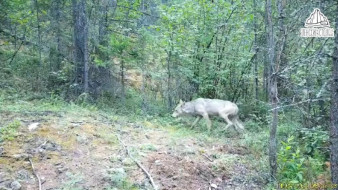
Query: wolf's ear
x=181, y=102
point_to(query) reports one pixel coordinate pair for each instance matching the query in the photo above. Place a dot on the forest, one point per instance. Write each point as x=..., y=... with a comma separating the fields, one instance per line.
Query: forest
x=92, y=93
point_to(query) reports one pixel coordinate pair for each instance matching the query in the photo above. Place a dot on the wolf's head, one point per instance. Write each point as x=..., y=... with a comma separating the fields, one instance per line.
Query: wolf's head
x=179, y=109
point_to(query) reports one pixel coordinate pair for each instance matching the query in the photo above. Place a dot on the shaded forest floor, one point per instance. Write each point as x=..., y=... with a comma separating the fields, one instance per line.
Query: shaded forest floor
x=78, y=148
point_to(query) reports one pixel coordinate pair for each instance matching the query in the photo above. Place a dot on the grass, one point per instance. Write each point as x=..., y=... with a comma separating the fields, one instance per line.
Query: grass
x=10, y=131
x=119, y=180
x=177, y=132
x=72, y=182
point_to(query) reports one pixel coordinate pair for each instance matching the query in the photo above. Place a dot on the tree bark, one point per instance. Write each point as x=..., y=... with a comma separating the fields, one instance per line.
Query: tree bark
x=55, y=55
x=58, y=34
x=123, y=80
x=272, y=93
x=81, y=44
x=39, y=30
x=334, y=111
x=255, y=50
x=169, y=89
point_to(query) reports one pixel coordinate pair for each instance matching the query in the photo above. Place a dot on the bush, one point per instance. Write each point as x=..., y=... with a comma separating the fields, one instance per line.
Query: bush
x=302, y=161
x=290, y=163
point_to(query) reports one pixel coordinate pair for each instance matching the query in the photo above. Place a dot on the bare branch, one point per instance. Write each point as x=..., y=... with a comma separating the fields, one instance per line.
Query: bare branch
x=301, y=102
x=34, y=172
x=137, y=163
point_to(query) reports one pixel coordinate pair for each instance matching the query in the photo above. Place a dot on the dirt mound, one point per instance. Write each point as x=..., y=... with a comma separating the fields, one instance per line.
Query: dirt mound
x=174, y=172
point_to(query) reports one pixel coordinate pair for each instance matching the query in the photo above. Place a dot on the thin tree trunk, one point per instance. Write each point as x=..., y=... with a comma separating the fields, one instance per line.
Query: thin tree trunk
x=122, y=66
x=37, y=86
x=103, y=22
x=266, y=58
x=255, y=50
x=169, y=80
x=39, y=30
x=122, y=81
x=272, y=94
x=334, y=111
x=58, y=34
x=81, y=44
x=143, y=92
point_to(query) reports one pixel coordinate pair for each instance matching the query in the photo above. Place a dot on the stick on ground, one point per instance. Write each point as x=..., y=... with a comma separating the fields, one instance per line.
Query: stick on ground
x=34, y=172
x=138, y=163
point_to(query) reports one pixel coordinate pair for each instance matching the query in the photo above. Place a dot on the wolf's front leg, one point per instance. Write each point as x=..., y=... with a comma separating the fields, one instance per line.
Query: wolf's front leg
x=206, y=117
x=196, y=121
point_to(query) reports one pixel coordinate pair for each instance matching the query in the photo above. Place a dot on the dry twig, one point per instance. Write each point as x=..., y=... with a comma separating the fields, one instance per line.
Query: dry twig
x=207, y=157
x=34, y=172
x=138, y=163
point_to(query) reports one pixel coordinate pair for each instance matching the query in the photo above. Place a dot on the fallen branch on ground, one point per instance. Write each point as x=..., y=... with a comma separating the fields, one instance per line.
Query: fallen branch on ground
x=138, y=163
x=207, y=157
x=34, y=172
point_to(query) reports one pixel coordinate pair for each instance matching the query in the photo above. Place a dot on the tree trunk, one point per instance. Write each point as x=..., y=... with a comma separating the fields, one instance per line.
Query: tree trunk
x=55, y=57
x=169, y=80
x=272, y=93
x=80, y=45
x=58, y=34
x=39, y=30
x=103, y=22
x=334, y=111
x=122, y=81
x=255, y=51
x=39, y=69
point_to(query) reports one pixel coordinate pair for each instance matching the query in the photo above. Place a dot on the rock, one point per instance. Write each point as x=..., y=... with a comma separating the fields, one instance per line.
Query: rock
x=23, y=175
x=127, y=162
x=33, y=126
x=158, y=162
x=213, y=186
x=82, y=139
x=60, y=168
x=21, y=156
x=1, y=151
x=51, y=146
x=4, y=180
x=15, y=185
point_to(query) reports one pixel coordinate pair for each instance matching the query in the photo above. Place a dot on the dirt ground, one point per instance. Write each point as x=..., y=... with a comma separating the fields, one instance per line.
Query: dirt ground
x=82, y=151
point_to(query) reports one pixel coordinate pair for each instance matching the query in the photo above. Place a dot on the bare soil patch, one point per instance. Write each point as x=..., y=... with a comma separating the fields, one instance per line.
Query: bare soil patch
x=82, y=152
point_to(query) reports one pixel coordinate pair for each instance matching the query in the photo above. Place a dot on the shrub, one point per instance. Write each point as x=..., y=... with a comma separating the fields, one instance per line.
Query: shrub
x=290, y=163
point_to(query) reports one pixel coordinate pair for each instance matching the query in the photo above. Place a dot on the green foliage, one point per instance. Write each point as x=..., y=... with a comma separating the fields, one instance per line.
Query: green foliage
x=58, y=82
x=301, y=160
x=119, y=44
x=255, y=114
x=314, y=140
x=73, y=182
x=257, y=142
x=286, y=128
x=119, y=180
x=290, y=163
x=10, y=131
